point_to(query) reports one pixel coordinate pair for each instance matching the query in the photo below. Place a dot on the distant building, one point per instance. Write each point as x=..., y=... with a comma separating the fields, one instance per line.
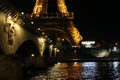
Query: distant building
x=88, y=44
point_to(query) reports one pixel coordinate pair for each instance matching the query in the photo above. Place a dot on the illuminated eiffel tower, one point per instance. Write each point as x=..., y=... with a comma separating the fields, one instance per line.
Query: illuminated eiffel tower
x=56, y=23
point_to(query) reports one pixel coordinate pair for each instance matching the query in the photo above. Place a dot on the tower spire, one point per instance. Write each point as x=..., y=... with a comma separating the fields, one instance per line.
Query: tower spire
x=61, y=6
x=40, y=7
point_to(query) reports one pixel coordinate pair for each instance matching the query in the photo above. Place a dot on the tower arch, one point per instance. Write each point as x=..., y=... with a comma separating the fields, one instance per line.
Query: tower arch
x=63, y=20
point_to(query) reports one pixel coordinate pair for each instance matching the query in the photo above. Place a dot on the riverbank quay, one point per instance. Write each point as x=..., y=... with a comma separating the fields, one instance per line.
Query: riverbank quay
x=14, y=67
x=10, y=68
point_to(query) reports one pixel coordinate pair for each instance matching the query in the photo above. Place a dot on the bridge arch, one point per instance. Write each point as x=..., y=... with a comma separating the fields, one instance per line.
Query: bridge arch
x=28, y=50
x=46, y=52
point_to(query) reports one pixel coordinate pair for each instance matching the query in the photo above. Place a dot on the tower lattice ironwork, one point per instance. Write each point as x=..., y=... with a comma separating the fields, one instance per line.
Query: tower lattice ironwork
x=59, y=23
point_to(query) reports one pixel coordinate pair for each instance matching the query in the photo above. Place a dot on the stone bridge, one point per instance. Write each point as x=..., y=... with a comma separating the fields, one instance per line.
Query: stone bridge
x=18, y=36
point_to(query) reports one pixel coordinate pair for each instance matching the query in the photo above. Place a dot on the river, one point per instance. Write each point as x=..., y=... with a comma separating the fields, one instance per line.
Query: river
x=80, y=71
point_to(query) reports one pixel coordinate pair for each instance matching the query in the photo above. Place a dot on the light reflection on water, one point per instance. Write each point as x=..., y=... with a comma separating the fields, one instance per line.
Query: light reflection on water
x=81, y=71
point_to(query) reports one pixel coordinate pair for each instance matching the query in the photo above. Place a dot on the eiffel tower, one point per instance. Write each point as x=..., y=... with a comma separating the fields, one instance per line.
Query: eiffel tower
x=58, y=23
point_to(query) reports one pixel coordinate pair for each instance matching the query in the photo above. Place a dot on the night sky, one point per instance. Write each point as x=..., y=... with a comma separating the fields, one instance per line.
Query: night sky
x=96, y=20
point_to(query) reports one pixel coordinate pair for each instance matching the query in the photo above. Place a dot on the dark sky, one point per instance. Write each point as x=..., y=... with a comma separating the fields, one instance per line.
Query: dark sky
x=95, y=19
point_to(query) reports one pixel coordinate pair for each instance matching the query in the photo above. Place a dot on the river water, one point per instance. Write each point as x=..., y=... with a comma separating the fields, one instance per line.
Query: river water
x=80, y=71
